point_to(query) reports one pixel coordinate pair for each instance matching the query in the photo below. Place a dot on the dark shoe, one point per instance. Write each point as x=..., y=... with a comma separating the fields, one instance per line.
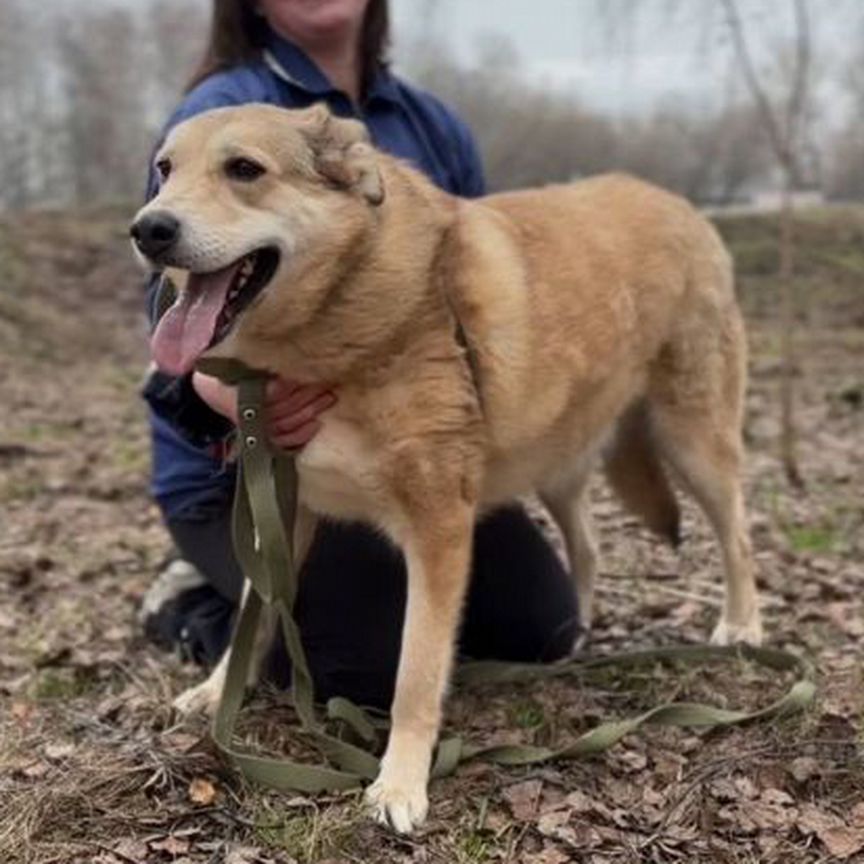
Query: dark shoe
x=182, y=611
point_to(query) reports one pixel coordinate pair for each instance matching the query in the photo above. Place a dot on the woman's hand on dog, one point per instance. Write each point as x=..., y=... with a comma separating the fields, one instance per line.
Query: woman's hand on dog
x=292, y=408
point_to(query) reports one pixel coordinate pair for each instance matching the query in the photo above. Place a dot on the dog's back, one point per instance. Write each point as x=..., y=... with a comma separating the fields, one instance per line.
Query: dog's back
x=578, y=297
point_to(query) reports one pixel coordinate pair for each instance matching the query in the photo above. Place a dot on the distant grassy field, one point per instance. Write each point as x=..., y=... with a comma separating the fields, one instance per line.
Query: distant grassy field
x=829, y=264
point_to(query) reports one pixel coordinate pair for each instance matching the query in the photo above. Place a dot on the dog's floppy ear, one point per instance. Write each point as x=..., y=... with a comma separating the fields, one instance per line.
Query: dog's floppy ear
x=343, y=154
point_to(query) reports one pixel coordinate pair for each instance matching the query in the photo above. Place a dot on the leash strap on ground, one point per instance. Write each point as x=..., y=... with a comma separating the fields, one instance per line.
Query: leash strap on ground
x=265, y=503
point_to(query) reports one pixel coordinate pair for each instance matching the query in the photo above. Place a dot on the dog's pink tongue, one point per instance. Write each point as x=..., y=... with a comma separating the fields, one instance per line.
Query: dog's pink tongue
x=186, y=329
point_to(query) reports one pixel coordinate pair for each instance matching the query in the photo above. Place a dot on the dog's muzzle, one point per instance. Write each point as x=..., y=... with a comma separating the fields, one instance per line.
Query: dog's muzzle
x=155, y=234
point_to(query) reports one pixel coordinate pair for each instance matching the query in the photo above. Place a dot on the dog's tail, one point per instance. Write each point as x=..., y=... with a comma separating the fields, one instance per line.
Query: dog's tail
x=635, y=472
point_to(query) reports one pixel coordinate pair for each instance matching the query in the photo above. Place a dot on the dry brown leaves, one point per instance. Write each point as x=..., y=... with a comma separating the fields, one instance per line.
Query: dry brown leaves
x=95, y=768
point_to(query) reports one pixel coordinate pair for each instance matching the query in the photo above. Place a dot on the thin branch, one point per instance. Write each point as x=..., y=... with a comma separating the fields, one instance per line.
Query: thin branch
x=779, y=141
x=799, y=91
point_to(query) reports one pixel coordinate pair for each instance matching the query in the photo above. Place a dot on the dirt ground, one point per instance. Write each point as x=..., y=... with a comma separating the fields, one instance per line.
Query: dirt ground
x=94, y=767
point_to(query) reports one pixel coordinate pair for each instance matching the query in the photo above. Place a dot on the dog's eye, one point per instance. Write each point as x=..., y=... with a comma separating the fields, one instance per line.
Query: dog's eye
x=163, y=168
x=243, y=169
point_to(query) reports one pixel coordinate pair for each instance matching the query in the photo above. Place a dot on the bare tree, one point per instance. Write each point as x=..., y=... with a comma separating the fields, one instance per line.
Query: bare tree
x=83, y=92
x=107, y=137
x=781, y=90
x=784, y=121
x=846, y=153
x=25, y=104
x=706, y=156
x=175, y=32
x=530, y=135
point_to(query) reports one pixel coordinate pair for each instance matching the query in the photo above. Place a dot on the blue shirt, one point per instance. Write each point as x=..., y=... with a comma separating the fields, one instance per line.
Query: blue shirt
x=402, y=120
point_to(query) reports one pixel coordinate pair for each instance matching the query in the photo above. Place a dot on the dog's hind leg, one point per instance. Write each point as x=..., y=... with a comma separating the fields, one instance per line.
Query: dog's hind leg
x=568, y=504
x=696, y=408
x=708, y=463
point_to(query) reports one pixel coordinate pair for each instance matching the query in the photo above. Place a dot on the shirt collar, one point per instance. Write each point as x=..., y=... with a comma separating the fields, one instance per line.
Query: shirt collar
x=293, y=65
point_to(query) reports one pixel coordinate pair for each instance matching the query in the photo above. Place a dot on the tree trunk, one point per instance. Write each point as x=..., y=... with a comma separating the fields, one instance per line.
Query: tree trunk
x=788, y=354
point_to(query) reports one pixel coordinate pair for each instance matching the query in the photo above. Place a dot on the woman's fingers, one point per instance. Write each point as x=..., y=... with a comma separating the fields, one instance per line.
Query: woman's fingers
x=287, y=401
x=296, y=437
x=292, y=411
x=279, y=389
x=290, y=421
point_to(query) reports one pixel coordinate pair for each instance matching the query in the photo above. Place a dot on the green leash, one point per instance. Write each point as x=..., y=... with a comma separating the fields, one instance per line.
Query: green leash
x=264, y=505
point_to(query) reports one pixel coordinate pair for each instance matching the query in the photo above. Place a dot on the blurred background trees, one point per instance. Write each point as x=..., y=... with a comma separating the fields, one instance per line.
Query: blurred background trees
x=844, y=157
x=84, y=87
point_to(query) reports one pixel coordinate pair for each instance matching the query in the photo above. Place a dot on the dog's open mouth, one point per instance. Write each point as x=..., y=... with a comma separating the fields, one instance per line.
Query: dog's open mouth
x=250, y=276
x=207, y=308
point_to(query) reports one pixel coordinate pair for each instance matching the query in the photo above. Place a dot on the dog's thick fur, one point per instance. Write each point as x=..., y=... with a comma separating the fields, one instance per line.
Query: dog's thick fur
x=601, y=322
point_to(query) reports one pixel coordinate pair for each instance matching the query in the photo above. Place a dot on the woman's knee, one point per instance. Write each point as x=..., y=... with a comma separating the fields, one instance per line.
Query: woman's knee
x=522, y=604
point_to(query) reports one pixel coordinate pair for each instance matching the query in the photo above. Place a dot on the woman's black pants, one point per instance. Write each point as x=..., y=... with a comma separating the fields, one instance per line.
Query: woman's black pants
x=350, y=605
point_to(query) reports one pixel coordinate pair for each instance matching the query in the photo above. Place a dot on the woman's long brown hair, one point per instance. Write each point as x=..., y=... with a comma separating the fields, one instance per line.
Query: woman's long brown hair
x=238, y=35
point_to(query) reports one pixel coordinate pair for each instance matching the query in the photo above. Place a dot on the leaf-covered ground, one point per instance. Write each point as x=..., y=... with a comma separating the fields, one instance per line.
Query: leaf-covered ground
x=94, y=767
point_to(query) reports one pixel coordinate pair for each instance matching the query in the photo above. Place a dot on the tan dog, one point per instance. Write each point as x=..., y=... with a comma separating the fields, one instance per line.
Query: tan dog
x=600, y=318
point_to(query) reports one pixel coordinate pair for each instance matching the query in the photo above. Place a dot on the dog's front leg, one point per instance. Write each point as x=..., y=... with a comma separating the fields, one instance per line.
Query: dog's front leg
x=438, y=551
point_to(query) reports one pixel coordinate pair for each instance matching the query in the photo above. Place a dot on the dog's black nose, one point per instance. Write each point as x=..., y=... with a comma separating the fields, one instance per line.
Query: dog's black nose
x=155, y=233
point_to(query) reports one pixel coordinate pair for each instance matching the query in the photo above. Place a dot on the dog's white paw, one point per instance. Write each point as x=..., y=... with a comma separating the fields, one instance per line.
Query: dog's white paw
x=726, y=633
x=202, y=699
x=402, y=807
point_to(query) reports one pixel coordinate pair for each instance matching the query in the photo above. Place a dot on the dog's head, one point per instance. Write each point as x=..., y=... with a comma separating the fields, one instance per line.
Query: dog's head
x=249, y=196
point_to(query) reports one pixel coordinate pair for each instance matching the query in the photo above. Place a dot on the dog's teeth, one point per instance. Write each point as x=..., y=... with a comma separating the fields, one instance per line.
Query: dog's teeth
x=244, y=272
